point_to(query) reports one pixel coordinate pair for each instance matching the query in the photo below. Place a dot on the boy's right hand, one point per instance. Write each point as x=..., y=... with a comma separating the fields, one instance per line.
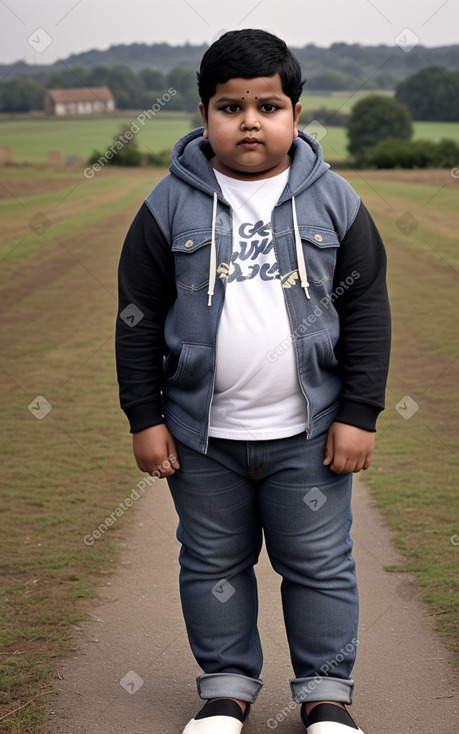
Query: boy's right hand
x=155, y=452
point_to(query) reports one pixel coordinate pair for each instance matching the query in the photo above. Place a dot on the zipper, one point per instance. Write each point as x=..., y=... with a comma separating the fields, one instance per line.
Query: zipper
x=214, y=377
x=308, y=409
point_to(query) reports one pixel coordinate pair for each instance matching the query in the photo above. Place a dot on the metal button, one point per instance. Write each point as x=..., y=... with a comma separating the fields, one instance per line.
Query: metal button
x=189, y=243
x=318, y=237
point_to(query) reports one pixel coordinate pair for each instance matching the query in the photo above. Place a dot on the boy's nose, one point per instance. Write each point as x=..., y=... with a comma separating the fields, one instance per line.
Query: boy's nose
x=250, y=124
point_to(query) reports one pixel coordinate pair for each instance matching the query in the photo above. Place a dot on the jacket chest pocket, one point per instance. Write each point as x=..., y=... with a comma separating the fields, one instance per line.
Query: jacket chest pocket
x=320, y=248
x=192, y=259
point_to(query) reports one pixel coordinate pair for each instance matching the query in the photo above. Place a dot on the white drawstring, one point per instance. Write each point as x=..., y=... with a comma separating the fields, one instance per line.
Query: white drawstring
x=299, y=252
x=213, y=255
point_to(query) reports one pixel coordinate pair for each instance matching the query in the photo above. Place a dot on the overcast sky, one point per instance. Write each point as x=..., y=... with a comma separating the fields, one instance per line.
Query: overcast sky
x=40, y=31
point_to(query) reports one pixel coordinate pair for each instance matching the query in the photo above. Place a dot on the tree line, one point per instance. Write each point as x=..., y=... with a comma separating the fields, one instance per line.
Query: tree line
x=431, y=94
x=130, y=90
x=352, y=65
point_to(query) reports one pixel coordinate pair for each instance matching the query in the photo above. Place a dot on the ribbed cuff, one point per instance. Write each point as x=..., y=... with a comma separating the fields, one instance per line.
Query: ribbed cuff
x=361, y=415
x=144, y=415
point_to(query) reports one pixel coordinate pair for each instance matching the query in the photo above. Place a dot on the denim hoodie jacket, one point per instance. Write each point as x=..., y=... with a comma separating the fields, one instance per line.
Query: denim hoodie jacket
x=341, y=351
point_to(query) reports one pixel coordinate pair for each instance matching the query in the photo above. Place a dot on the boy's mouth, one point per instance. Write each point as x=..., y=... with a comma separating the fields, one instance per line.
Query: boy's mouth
x=250, y=143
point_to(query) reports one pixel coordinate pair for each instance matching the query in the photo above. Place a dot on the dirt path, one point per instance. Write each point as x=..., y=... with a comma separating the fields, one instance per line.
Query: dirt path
x=133, y=672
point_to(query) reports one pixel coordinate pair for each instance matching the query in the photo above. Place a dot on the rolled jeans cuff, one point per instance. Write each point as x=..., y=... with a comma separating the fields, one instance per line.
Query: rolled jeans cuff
x=322, y=688
x=228, y=685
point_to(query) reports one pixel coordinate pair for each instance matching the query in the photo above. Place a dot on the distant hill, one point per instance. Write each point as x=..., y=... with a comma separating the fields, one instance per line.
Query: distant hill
x=136, y=56
x=346, y=64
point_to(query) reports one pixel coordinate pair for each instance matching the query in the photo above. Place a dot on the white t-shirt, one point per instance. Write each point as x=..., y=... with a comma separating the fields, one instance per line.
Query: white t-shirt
x=257, y=394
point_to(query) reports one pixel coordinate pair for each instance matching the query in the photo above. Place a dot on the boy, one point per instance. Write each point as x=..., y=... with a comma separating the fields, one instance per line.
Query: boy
x=252, y=368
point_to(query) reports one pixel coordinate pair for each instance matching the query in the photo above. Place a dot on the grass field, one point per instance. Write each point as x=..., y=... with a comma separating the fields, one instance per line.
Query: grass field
x=341, y=101
x=64, y=443
x=414, y=477
x=30, y=139
x=63, y=473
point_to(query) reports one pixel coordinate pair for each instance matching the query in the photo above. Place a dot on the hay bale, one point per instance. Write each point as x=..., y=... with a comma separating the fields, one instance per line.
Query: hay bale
x=56, y=158
x=5, y=155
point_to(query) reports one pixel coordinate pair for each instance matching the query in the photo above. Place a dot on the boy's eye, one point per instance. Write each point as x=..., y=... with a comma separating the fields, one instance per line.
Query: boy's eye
x=269, y=107
x=232, y=108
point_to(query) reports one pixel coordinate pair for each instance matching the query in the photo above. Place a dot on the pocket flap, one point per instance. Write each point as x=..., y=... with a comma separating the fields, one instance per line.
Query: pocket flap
x=192, y=241
x=319, y=236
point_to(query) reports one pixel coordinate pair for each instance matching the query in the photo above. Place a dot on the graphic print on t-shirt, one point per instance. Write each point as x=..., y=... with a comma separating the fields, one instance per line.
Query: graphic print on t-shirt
x=253, y=253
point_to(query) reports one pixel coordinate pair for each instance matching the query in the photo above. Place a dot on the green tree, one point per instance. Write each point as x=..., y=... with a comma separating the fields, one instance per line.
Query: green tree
x=330, y=81
x=123, y=151
x=21, y=95
x=183, y=79
x=126, y=87
x=99, y=76
x=152, y=79
x=376, y=118
x=77, y=76
x=431, y=94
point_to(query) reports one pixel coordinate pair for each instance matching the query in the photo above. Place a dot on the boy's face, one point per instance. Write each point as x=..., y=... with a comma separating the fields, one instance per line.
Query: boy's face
x=250, y=124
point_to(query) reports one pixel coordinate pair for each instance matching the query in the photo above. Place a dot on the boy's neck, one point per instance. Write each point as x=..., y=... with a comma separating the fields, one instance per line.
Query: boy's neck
x=249, y=176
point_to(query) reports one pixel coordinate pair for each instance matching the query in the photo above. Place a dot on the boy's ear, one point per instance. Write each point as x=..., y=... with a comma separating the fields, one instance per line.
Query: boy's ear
x=202, y=110
x=296, y=118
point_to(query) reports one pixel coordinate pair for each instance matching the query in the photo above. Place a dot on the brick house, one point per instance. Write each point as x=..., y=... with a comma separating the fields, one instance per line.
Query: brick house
x=81, y=101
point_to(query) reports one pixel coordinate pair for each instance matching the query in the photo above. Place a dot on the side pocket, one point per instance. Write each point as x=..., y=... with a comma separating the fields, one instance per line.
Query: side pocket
x=195, y=362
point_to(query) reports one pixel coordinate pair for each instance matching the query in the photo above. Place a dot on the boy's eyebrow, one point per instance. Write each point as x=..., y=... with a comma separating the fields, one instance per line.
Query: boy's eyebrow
x=266, y=98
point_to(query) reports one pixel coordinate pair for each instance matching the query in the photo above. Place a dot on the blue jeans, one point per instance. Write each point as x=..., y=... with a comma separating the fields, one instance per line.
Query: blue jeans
x=226, y=500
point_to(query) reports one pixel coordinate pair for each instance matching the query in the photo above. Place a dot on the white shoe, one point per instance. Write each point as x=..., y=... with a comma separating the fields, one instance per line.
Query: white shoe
x=214, y=725
x=332, y=720
x=223, y=716
x=331, y=727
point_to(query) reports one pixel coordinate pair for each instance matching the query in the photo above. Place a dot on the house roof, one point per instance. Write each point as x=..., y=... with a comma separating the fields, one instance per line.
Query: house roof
x=83, y=94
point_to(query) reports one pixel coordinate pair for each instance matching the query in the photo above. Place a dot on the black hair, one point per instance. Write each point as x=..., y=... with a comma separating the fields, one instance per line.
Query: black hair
x=247, y=54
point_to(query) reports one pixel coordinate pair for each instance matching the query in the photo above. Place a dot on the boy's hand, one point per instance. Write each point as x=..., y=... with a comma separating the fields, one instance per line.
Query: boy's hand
x=155, y=452
x=348, y=449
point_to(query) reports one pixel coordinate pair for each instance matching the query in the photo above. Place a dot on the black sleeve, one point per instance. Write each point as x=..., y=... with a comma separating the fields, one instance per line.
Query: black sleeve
x=146, y=286
x=363, y=307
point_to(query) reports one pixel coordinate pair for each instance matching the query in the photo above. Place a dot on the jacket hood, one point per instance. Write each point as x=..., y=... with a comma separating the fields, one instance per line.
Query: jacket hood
x=190, y=161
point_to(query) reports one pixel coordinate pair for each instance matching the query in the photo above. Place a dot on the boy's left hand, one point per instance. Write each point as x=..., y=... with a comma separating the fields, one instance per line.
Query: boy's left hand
x=348, y=448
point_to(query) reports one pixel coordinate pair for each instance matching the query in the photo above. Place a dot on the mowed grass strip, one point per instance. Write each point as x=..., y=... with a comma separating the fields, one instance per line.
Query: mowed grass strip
x=30, y=221
x=414, y=477
x=64, y=473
